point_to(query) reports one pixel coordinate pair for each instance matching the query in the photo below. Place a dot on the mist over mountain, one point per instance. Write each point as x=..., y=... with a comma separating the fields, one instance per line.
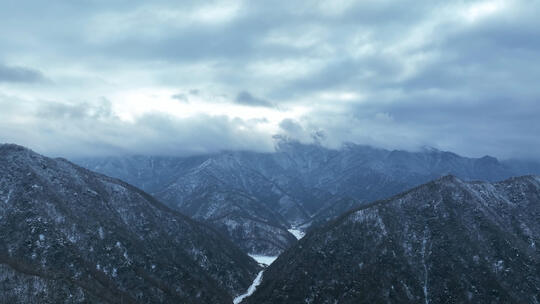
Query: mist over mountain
x=69, y=235
x=255, y=197
x=447, y=241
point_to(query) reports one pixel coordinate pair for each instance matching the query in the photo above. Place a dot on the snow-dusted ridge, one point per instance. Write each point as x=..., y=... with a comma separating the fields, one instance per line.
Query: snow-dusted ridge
x=420, y=247
x=254, y=197
x=62, y=221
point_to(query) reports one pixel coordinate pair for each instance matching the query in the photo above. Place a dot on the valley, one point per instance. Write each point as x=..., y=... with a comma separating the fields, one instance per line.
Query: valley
x=260, y=200
x=280, y=232
x=270, y=152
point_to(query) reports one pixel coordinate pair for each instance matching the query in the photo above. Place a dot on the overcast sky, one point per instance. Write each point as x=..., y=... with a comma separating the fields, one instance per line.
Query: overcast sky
x=82, y=78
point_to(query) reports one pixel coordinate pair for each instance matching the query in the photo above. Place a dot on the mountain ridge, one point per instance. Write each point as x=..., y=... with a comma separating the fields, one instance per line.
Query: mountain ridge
x=299, y=185
x=69, y=233
x=446, y=240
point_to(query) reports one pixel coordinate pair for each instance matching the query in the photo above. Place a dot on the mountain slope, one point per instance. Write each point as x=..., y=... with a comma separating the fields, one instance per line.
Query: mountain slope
x=447, y=241
x=69, y=234
x=235, y=200
x=263, y=194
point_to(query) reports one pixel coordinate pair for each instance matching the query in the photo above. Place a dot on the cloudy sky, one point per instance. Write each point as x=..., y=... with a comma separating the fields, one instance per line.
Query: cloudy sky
x=81, y=78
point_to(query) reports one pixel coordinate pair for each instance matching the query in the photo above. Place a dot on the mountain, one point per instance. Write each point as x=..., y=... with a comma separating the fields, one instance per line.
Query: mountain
x=74, y=236
x=234, y=198
x=255, y=197
x=333, y=209
x=149, y=173
x=447, y=241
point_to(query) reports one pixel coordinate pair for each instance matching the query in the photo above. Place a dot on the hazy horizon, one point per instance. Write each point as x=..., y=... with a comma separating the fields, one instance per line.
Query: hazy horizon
x=120, y=154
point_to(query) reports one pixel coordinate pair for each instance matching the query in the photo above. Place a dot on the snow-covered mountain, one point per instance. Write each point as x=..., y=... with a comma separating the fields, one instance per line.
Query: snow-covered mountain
x=68, y=235
x=447, y=241
x=255, y=197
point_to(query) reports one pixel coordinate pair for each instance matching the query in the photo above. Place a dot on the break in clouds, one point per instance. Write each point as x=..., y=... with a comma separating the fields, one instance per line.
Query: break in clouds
x=101, y=78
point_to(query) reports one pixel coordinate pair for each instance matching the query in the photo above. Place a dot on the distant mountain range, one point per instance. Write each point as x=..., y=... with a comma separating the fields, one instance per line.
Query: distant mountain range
x=447, y=241
x=255, y=197
x=69, y=235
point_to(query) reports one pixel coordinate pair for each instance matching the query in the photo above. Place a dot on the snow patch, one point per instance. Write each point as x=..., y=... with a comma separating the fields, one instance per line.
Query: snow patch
x=298, y=234
x=266, y=260
x=8, y=196
x=499, y=266
x=369, y=216
x=72, y=238
x=423, y=252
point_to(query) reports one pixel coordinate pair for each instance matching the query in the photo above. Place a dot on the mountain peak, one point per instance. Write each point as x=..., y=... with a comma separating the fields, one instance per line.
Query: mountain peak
x=421, y=245
x=57, y=219
x=16, y=154
x=524, y=178
x=487, y=159
x=429, y=149
x=13, y=148
x=449, y=178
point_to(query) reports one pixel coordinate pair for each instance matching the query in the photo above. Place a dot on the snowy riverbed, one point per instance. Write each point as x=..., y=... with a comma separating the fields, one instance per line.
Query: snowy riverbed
x=251, y=288
x=264, y=260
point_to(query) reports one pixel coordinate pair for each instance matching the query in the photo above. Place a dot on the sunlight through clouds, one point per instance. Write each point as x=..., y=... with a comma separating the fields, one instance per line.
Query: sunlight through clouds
x=331, y=66
x=480, y=10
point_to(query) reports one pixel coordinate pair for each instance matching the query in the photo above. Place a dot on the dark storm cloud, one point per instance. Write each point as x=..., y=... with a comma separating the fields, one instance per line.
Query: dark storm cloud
x=245, y=98
x=19, y=74
x=181, y=97
x=240, y=39
x=290, y=126
x=496, y=126
x=476, y=93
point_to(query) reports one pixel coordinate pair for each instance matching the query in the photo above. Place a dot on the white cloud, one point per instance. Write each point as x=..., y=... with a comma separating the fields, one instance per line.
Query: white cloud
x=478, y=10
x=394, y=74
